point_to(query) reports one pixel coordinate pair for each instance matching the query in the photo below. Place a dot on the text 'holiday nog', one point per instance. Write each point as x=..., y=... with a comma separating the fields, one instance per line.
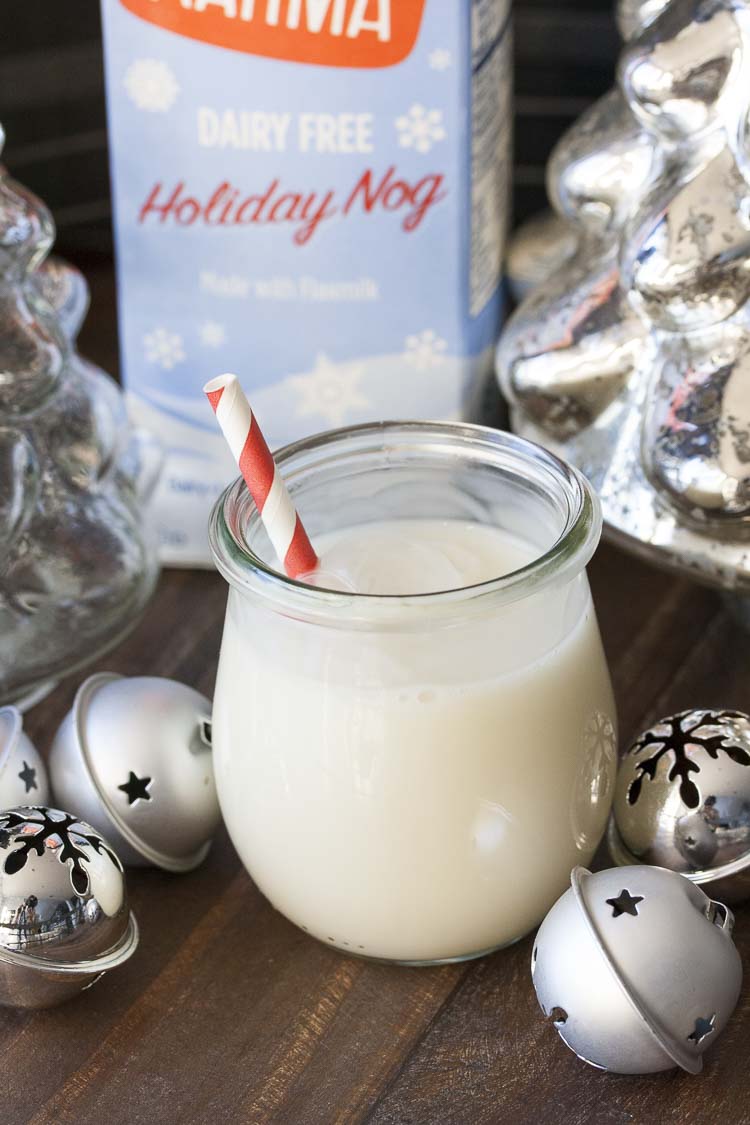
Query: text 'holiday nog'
x=311, y=193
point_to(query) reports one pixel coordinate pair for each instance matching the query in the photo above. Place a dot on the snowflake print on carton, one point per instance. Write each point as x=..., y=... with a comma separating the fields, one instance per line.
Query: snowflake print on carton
x=163, y=348
x=212, y=334
x=420, y=128
x=440, y=58
x=425, y=349
x=330, y=391
x=151, y=85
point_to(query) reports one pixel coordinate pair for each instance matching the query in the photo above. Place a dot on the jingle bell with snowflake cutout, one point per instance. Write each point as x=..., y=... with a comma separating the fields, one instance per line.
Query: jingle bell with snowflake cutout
x=23, y=775
x=682, y=800
x=64, y=917
x=636, y=969
x=133, y=757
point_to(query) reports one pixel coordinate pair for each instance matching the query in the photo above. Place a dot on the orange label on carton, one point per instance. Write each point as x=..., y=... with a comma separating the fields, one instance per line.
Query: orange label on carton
x=345, y=33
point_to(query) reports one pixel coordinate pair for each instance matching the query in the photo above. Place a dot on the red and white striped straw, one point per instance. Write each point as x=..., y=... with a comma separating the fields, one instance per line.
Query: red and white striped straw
x=240, y=427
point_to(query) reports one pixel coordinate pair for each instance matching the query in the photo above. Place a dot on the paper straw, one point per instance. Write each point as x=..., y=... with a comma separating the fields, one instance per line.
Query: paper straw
x=262, y=477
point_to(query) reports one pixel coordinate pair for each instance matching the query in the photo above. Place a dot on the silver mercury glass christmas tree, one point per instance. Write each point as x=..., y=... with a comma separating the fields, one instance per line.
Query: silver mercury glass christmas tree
x=76, y=563
x=633, y=360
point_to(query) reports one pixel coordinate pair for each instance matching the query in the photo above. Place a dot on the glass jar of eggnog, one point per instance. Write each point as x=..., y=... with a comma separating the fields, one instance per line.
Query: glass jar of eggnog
x=415, y=747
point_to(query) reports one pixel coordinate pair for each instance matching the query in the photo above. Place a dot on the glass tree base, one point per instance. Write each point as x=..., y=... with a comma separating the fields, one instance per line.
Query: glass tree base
x=28, y=699
x=738, y=606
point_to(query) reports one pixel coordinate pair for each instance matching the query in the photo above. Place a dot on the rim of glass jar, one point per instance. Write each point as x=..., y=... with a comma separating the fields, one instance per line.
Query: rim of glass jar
x=248, y=573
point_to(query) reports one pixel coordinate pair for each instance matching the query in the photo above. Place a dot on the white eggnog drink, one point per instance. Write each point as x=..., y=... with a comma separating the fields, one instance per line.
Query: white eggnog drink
x=410, y=761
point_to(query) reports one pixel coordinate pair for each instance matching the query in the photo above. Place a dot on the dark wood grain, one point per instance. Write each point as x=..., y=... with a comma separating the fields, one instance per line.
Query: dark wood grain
x=229, y=1013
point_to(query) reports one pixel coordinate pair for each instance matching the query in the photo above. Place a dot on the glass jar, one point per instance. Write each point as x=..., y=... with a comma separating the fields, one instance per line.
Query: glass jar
x=412, y=778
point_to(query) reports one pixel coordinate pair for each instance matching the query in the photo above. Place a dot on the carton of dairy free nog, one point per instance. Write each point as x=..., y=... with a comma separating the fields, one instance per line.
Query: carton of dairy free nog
x=311, y=193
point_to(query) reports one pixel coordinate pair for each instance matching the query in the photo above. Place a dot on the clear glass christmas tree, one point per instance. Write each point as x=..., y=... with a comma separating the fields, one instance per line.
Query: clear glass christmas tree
x=77, y=563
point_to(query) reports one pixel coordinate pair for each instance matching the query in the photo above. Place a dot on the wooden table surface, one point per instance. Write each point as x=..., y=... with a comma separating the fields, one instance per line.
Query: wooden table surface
x=229, y=1013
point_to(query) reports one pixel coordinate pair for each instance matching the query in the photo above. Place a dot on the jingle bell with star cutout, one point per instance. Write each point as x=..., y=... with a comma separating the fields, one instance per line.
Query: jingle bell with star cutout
x=636, y=969
x=133, y=757
x=682, y=800
x=23, y=775
x=64, y=917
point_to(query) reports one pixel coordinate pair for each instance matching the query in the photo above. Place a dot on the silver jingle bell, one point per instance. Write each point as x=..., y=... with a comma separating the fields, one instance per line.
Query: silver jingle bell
x=64, y=918
x=23, y=774
x=133, y=756
x=637, y=969
x=682, y=800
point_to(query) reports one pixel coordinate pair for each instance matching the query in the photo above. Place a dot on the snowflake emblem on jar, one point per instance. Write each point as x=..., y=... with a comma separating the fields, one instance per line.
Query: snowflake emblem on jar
x=151, y=85
x=594, y=783
x=420, y=128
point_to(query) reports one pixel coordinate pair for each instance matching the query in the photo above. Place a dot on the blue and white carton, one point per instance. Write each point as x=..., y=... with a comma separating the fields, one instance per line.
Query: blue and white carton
x=311, y=193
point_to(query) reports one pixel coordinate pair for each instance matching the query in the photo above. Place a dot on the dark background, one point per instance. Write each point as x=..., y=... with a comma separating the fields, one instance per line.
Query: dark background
x=52, y=102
